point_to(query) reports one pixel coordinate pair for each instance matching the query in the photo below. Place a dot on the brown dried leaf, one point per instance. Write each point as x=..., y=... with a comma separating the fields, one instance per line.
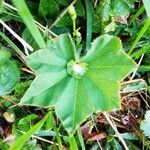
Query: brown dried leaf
x=98, y=136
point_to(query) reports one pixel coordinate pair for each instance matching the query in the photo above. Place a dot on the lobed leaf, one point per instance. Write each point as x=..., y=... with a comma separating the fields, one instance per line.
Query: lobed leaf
x=75, y=98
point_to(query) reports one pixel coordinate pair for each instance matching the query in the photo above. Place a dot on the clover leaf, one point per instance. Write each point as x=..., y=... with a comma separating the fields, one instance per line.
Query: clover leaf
x=77, y=88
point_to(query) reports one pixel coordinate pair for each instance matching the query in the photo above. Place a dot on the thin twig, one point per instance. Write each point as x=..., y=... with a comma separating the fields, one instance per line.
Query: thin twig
x=42, y=28
x=99, y=144
x=95, y=3
x=115, y=129
x=42, y=139
x=45, y=140
x=134, y=73
x=61, y=15
x=127, y=82
x=29, y=71
x=144, y=100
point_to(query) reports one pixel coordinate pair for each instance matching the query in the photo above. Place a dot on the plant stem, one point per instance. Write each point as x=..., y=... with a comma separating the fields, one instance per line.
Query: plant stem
x=81, y=139
x=73, y=144
x=58, y=138
x=89, y=14
x=139, y=12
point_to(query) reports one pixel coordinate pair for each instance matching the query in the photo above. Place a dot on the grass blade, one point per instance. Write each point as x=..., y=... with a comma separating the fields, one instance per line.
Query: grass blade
x=81, y=139
x=21, y=141
x=143, y=30
x=138, y=13
x=141, y=51
x=144, y=68
x=16, y=49
x=73, y=144
x=58, y=138
x=89, y=16
x=29, y=21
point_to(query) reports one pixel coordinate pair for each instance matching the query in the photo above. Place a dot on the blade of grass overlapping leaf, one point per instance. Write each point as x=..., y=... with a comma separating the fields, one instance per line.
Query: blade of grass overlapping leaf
x=28, y=20
x=23, y=139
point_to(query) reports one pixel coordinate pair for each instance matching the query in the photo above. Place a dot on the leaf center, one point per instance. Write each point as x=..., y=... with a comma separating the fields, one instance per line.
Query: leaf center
x=76, y=70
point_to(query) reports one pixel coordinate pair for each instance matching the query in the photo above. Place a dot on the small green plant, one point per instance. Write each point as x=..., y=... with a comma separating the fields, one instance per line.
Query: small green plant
x=67, y=80
x=71, y=77
x=93, y=81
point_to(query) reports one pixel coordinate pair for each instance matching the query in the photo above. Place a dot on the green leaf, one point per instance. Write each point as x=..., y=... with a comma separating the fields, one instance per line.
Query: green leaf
x=9, y=73
x=120, y=7
x=21, y=141
x=129, y=136
x=80, y=9
x=31, y=145
x=105, y=12
x=25, y=123
x=3, y=145
x=4, y=54
x=145, y=124
x=48, y=7
x=96, y=27
x=92, y=85
x=21, y=88
x=65, y=21
x=50, y=68
x=17, y=50
x=147, y=7
x=63, y=2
